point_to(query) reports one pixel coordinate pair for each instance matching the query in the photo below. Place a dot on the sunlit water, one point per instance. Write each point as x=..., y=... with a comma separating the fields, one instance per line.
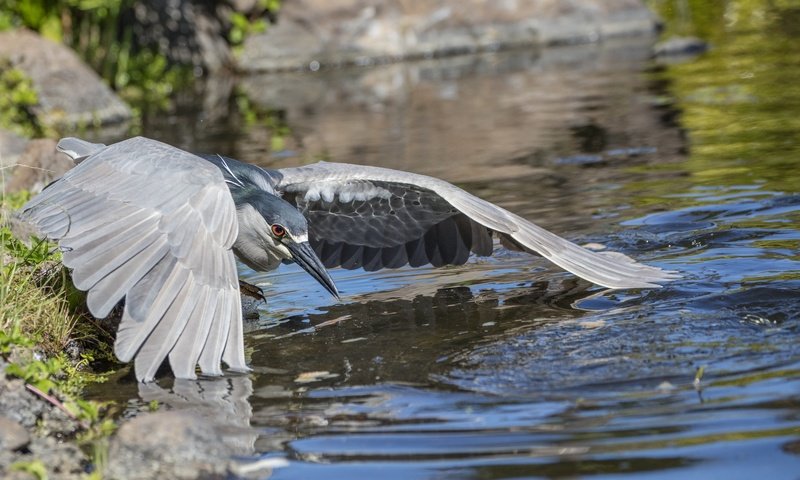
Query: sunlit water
x=507, y=367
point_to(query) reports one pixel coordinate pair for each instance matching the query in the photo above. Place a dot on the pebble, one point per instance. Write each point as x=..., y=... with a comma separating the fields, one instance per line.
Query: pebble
x=12, y=435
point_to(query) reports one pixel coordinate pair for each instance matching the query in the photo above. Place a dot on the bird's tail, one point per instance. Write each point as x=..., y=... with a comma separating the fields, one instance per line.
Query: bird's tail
x=78, y=149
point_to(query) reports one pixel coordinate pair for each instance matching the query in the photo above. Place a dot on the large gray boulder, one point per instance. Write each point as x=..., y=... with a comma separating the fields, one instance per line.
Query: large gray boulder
x=335, y=32
x=168, y=445
x=70, y=93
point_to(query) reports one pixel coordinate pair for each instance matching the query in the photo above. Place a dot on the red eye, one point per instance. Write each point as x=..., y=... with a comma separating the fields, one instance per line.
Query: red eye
x=278, y=230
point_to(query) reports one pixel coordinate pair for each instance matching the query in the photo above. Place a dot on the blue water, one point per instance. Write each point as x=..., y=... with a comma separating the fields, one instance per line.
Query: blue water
x=508, y=367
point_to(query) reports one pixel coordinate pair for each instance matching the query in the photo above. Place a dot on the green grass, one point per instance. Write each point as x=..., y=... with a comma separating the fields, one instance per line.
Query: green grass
x=40, y=314
x=34, y=291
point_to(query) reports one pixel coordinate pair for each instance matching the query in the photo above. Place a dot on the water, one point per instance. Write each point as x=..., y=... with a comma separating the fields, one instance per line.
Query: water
x=507, y=367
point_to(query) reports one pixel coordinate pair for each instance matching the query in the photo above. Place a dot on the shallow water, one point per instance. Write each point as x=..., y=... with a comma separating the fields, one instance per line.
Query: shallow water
x=507, y=367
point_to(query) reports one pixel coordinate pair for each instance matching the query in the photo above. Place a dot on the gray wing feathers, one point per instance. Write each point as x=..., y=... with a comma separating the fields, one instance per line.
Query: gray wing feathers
x=609, y=269
x=166, y=250
x=78, y=149
x=442, y=243
x=217, y=336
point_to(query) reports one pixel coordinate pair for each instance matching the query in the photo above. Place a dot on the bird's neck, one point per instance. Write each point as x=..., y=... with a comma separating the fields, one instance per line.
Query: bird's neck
x=252, y=245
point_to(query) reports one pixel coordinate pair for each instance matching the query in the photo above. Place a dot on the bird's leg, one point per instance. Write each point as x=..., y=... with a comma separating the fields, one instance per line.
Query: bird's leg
x=252, y=290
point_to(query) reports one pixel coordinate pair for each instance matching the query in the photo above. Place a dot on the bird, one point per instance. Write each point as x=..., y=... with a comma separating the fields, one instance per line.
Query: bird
x=161, y=228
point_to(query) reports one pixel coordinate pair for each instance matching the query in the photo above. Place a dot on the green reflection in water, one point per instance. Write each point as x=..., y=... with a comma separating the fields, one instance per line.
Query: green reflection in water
x=739, y=102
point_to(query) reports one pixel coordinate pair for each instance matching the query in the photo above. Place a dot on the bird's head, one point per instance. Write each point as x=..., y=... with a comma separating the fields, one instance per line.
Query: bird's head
x=275, y=226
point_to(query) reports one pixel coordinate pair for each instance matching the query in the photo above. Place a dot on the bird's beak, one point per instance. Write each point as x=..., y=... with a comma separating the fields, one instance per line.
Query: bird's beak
x=304, y=255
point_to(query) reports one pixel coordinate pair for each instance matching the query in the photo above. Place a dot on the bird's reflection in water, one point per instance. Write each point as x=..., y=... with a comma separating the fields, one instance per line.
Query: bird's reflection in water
x=455, y=317
x=222, y=401
x=381, y=339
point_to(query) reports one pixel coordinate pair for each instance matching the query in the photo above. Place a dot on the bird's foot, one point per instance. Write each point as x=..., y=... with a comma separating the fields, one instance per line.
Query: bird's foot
x=251, y=290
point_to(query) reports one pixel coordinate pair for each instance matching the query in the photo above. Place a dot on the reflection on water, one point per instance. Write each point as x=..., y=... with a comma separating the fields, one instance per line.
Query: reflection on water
x=506, y=367
x=220, y=401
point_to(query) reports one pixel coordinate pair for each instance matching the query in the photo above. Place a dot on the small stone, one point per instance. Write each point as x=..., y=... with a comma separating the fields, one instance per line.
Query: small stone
x=596, y=247
x=12, y=435
x=680, y=46
x=665, y=386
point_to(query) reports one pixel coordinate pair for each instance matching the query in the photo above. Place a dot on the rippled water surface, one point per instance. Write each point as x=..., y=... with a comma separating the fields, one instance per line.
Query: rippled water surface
x=508, y=367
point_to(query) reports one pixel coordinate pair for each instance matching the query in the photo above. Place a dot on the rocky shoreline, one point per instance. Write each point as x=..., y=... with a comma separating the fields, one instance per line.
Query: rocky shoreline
x=35, y=434
x=313, y=34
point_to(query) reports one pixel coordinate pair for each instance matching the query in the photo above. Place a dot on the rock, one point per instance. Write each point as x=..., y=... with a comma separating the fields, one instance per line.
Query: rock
x=70, y=93
x=63, y=460
x=18, y=404
x=11, y=147
x=217, y=412
x=33, y=429
x=168, y=444
x=12, y=435
x=188, y=33
x=221, y=402
x=680, y=46
x=310, y=33
x=39, y=165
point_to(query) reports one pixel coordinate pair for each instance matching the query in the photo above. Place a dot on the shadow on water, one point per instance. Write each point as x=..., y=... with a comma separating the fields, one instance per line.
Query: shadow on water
x=506, y=367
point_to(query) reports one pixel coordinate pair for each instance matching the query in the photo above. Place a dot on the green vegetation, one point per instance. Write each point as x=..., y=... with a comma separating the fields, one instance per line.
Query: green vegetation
x=98, y=31
x=94, y=29
x=33, y=299
x=17, y=102
x=242, y=25
x=35, y=468
x=39, y=318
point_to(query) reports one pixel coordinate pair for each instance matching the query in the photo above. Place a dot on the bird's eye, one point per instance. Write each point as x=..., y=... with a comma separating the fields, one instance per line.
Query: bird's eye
x=278, y=230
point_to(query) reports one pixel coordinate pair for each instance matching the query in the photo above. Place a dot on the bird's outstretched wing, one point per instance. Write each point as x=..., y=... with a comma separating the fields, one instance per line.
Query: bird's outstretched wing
x=154, y=224
x=373, y=218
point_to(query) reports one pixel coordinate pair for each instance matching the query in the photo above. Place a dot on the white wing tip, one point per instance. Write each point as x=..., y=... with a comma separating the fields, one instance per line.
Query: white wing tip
x=645, y=276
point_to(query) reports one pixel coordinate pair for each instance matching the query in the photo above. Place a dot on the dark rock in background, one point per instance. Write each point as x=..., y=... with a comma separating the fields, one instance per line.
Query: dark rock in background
x=187, y=33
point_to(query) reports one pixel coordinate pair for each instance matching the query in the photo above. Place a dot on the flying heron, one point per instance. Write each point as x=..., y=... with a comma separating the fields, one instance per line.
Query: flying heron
x=161, y=227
